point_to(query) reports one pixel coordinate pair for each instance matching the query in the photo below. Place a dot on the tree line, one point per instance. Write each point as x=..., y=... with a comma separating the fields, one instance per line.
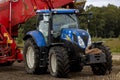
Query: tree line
x=105, y=21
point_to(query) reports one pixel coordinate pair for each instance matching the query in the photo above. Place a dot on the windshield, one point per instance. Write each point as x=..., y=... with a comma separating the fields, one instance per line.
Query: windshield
x=61, y=21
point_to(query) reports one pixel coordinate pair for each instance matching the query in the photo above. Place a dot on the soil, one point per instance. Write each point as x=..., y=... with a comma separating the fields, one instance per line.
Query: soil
x=17, y=72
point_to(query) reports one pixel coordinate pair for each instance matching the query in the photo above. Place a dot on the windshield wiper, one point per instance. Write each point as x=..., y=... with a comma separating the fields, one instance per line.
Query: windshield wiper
x=70, y=17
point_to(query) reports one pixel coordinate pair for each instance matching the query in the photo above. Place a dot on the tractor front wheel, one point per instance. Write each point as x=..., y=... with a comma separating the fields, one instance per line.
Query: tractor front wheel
x=103, y=68
x=58, y=62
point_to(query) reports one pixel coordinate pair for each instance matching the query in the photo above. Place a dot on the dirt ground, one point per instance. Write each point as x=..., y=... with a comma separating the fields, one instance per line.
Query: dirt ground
x=17, y=72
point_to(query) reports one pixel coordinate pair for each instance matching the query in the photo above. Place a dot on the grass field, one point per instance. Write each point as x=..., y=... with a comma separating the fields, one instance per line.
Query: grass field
x=113, y=43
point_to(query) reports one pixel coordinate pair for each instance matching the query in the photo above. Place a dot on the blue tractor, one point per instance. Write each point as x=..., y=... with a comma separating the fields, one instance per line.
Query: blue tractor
x=58, y=46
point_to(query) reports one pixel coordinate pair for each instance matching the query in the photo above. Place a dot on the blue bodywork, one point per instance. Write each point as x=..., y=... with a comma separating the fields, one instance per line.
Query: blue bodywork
x=70, y=34
x=38, y=37
x=58, y=11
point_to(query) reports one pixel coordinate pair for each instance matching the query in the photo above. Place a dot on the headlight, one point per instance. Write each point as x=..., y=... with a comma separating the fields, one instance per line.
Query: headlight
x=89, y=41
x=81, y=42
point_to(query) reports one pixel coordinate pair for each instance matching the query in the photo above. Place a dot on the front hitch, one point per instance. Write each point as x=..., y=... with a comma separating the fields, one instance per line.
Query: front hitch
x=94, y=55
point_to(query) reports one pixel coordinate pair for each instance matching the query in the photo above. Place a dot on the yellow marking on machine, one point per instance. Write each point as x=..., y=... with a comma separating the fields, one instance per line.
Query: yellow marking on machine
x=68, y=38
x=8, y=38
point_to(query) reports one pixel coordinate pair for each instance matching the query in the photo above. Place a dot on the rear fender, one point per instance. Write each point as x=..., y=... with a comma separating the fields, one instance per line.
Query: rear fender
x=37, y=36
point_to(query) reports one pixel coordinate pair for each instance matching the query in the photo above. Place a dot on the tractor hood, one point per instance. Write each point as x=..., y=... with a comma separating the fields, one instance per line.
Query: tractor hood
x=76, y=36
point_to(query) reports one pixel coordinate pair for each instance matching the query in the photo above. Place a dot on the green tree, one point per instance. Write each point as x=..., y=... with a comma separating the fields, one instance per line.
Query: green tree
x=105, y=21
x=27, y=26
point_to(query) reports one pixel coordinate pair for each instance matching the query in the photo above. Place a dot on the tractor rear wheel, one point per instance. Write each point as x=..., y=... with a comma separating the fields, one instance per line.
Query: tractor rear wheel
x=58, y=62
x=103, y=68
x=32, y=58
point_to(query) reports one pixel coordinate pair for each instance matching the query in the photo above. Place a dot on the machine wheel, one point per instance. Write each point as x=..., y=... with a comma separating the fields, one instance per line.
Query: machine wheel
x=58, y=62
x=31, y=58
x=103, y=68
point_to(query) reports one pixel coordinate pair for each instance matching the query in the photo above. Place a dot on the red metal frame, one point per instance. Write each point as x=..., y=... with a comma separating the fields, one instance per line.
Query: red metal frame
x=8, y=47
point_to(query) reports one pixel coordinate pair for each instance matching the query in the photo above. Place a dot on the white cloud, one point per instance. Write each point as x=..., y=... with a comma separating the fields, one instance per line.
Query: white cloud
x=100, y=3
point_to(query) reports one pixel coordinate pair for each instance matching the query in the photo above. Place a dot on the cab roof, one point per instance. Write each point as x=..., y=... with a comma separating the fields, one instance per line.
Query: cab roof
x=59, y=11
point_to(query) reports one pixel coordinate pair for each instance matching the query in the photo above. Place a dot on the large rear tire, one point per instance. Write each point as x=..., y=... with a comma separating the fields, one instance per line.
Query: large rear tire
x=58, y=62
x=103, y=68
x=32, y=58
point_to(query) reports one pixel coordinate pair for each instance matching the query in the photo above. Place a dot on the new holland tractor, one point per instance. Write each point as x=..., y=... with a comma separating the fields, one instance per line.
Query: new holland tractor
x=58, y=46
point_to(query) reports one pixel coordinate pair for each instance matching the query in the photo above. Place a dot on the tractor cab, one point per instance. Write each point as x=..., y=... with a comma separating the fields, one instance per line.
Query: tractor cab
x=60, y=25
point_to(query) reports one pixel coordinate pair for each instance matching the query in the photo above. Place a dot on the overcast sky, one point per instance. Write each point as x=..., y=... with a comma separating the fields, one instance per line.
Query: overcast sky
x=100, y=3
